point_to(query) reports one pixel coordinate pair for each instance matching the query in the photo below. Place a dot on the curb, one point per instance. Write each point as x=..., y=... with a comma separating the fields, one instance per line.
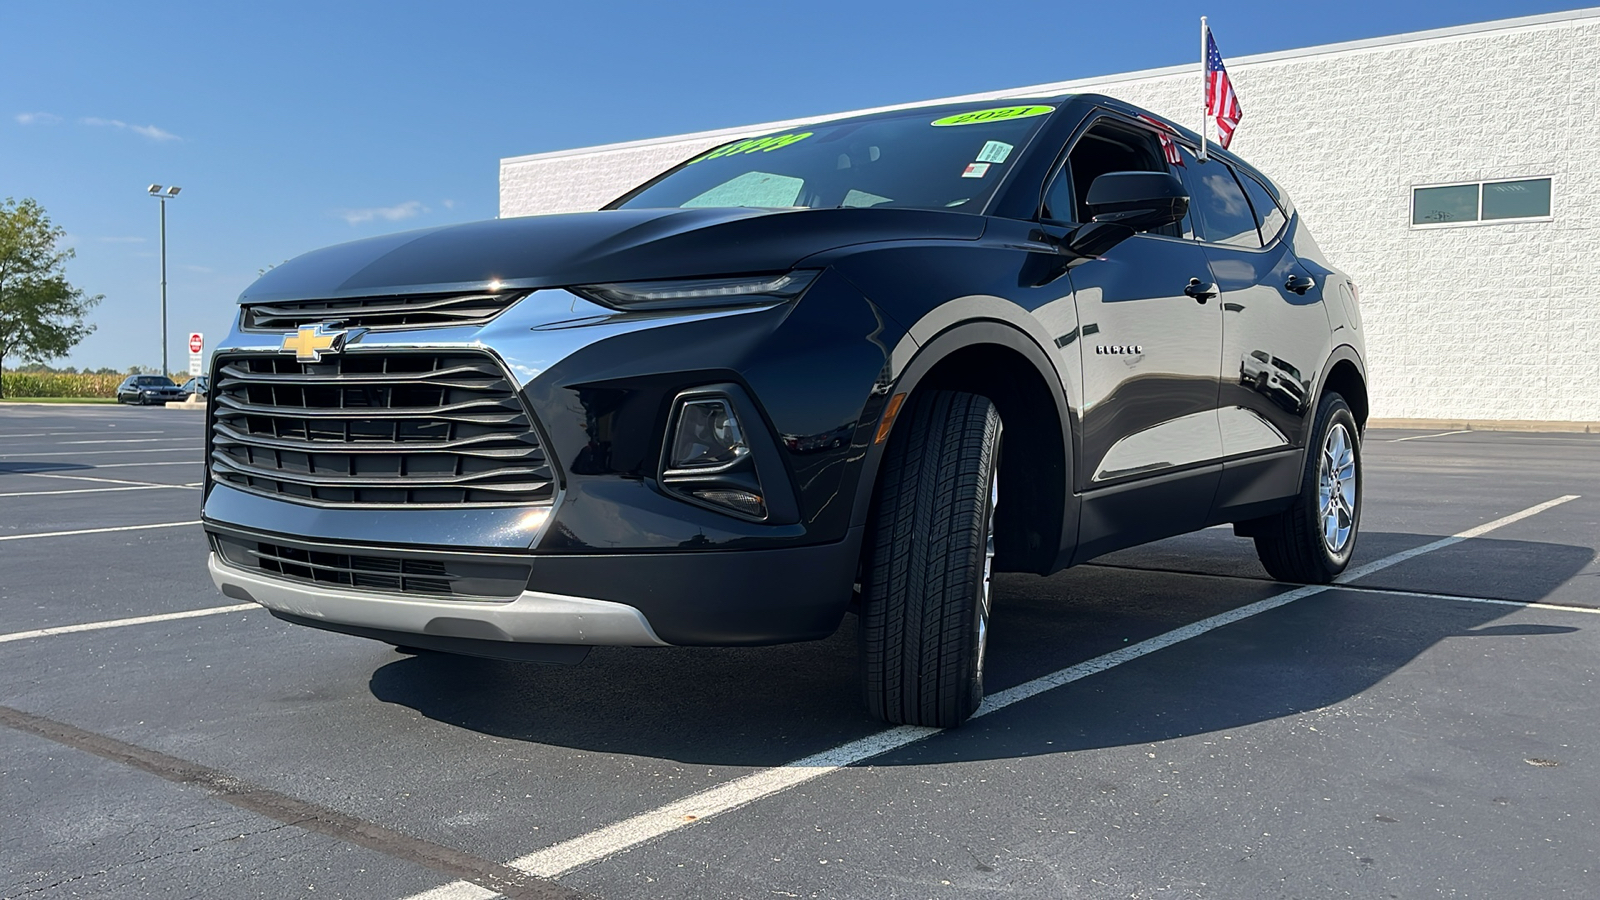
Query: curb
x=1488, y=425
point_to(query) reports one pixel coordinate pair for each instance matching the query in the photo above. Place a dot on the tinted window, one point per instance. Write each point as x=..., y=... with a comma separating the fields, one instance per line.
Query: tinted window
x=1433, y=206
x=1225, y=215
x=940, y=158
x=1108, y=146
x=1516, y=199
x=1268, y=215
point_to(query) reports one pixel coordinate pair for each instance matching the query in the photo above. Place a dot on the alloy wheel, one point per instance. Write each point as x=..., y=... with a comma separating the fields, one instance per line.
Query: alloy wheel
x=1336, y=489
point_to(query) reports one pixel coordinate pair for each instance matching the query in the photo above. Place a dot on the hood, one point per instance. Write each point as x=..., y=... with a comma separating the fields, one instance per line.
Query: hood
x=592, y=248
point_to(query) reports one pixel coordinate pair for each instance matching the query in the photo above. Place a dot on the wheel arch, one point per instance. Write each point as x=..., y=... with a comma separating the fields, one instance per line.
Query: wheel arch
x=1346, y=375
x=999, y=361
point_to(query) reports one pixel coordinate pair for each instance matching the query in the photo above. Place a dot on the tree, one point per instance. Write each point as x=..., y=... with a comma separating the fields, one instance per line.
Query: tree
x=41, y=314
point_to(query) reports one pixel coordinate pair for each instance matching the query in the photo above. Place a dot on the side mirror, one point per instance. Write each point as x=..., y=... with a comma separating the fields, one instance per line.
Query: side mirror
x=1139, y=200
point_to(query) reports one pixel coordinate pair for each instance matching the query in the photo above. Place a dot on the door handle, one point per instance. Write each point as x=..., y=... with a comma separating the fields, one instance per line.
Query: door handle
x=1200, y=292
x=1299, y=284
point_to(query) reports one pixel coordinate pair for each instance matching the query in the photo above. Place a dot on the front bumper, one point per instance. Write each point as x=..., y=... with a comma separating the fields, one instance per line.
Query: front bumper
x=532, y=617
x=706, y=598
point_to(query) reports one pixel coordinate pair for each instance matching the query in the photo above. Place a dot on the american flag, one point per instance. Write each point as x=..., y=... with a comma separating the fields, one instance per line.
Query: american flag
x=1169, y=147
x=1221, y=103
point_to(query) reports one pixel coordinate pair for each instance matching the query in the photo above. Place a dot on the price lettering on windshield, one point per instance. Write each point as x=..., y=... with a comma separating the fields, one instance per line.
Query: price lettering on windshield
x=754, y=145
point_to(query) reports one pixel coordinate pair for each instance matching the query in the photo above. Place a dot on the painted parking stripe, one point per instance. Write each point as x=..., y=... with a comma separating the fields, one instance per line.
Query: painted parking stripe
x=1553, y=607
x=127, y=441
x=71, y=433
x=457, y=890
x=1418, y=437
x=141, y=465
x=90, y=478
x=124, y=623
x=188, y=449
x=140, y=487
x=48, y=534
x=569, y=855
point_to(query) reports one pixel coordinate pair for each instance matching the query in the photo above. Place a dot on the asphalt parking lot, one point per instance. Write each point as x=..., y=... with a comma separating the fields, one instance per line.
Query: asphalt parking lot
x=1165, y=722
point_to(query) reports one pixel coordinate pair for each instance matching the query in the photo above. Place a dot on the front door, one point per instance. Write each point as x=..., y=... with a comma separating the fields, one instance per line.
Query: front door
x=1150, y=344
x=1150, y=361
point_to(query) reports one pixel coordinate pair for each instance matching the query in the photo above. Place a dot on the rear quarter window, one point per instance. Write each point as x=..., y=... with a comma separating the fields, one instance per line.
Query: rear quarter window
x=1224, y=211
x=1269, y=216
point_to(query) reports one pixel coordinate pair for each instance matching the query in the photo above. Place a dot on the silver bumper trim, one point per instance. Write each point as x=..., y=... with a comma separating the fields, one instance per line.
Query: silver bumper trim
x=533, y=617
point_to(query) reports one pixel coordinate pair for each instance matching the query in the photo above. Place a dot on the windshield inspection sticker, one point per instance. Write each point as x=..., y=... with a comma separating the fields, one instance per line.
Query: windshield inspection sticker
x=994, y=152
x=998, y=114
x=754, y=145
x=976, y=170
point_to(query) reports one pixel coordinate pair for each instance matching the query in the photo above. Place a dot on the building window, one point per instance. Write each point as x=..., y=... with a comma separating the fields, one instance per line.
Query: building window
x=1484, y=201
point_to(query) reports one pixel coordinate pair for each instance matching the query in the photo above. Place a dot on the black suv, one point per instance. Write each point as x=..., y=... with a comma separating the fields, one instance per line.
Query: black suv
x=854, y=366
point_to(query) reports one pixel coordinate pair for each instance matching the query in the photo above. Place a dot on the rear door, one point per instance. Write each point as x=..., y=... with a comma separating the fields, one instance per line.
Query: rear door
x=1274, y=328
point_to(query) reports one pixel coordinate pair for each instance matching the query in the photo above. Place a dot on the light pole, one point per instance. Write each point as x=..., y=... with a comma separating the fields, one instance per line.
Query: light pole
x=156, y=191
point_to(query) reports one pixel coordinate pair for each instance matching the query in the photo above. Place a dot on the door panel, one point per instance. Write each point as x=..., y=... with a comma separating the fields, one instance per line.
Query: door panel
x=1273, y=341
x=1150, y=361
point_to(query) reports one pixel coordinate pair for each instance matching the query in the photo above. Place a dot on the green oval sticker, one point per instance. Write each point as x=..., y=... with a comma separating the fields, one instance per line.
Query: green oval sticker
x=998, y=114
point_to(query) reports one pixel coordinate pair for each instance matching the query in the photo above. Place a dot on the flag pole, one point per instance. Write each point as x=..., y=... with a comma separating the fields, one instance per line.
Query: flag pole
x=1205, y=84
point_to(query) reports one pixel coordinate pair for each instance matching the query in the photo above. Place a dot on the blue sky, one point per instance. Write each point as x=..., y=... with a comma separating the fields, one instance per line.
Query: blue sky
x=291, y=126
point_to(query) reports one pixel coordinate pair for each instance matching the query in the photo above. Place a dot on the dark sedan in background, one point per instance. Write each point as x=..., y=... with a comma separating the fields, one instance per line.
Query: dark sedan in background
x=143, y=389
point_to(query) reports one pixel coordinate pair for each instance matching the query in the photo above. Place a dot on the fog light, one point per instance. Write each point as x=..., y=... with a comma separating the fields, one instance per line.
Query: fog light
x=707, y=458
x=707, y=437
x=738, y=501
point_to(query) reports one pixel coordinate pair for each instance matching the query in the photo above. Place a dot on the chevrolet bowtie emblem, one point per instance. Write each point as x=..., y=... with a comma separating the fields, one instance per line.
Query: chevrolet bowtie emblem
x=311, y=341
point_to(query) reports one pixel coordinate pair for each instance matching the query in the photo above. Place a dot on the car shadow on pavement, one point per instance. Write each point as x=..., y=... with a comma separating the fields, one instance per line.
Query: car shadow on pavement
x=765, y=706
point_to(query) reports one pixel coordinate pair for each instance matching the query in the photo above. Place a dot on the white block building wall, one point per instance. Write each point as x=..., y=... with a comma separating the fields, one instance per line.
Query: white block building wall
x=1474, y=323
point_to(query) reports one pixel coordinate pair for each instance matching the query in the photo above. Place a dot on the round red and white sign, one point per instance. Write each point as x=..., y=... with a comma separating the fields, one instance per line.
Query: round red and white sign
x=196, y=341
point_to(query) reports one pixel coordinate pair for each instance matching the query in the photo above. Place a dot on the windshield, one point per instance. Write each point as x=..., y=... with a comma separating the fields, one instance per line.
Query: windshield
x=153, y=379
x=919, y=159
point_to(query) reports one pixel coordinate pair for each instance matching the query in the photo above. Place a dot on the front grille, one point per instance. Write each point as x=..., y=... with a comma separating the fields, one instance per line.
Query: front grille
x=399, y=428
x=413, y=310
x=444, y=577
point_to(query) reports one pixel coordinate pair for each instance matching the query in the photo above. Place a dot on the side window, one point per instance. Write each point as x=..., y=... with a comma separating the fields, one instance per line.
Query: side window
x=1225, y=216
x=1268, y=215
x=1108, y=146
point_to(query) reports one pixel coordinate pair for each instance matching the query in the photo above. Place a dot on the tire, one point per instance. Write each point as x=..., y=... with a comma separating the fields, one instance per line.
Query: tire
x=1312, y=541
x=929, y=554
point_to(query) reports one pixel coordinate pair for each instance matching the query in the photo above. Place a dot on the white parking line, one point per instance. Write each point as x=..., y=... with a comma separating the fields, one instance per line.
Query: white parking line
x=93, y=452
x=70, y=433
x=140, y=487
x=45, y=534
x=457, y=890
x=1418, y=437
x=123, y=623
x=90, y=478
x=562, y=858
x=1554, y=607
x=186, y=462
x=130, y=441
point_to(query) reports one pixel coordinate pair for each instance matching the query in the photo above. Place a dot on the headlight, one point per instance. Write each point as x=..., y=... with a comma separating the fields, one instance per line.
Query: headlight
x=693, y=293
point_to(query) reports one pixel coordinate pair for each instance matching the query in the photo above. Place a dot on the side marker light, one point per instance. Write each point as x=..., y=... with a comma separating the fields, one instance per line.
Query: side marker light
x=891, y=410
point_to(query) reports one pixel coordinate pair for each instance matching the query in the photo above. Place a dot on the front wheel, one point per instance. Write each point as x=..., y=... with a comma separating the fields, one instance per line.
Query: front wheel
x=1312, y=541
x=929, y=557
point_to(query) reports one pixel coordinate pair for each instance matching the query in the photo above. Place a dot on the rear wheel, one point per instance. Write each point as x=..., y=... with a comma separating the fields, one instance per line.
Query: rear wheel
x=1312, y=541
x=925, y=585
